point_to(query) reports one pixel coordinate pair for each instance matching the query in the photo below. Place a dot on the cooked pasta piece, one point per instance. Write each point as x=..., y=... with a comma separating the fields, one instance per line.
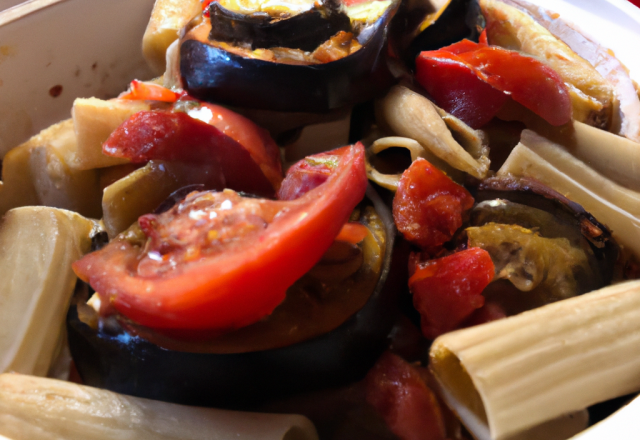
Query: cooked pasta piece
x=167, y=18
x=37, y=247
x=510, y=375
x=411, y=115
x=50, y=409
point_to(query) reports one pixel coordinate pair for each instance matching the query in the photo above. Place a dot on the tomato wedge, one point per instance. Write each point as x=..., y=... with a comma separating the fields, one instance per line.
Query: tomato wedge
x=255, y=139
x=176, y=136
x=473, y=80
x=218, y=261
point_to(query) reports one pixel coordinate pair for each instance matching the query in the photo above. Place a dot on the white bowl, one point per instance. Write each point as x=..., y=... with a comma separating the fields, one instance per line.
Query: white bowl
x=86, y=47
x=52, y=51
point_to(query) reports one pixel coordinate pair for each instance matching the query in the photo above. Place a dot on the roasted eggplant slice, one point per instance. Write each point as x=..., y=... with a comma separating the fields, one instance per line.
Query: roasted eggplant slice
x=348, y=68
x=249, y=366
x=435, y=29
x=305, y=30
x=547, y=247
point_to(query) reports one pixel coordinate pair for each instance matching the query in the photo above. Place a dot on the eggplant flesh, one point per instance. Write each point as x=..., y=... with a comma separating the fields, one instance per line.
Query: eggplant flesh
x=111, y=357
x=305, y=31
x=211, y=73
x=545, y=221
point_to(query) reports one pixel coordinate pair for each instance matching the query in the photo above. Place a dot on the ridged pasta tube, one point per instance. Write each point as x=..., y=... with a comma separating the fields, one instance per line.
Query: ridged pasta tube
x=513, y=374
x=33, y=408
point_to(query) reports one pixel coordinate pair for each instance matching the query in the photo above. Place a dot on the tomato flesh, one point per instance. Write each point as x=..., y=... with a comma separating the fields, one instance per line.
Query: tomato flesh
x=233, y=276
x=446, y=291
x=473, y=80
x=307, y=174
x=428, y=205
x=175, y=136
x=399, y=394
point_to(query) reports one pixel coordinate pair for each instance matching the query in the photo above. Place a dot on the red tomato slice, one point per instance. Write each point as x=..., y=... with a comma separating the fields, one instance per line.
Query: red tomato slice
x=447, y=290
x=457, y=88
x=176, y=136
x=399, y=394
x=254, y=138
x=218, y=261
x=428, y=205
x=448, y=75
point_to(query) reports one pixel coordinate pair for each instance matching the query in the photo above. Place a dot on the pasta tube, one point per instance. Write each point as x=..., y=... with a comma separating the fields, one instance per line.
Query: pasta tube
x=514, y=374
x=37, y=247
x=33, y=408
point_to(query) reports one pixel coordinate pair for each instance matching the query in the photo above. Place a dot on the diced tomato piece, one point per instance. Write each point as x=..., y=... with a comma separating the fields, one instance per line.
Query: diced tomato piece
x=175, y=136
x=205, y=7
x=398, y=393
x=447, y=290
x=218, y=261
x=428, y=205
x=307, y=174
x=473, y=84
x=352, y=233
x=139, y=90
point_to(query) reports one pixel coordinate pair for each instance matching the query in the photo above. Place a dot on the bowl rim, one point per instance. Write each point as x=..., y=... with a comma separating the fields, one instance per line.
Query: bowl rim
x=23, y=9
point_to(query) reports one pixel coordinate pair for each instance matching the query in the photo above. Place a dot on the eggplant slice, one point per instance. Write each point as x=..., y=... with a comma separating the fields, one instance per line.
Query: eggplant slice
x=450, y=24
x=519, y=220
x=306, y=30
x=113, y=358
x=210, y=72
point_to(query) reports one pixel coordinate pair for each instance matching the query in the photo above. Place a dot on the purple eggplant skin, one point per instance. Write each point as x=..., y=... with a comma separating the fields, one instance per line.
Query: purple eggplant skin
x=113, y=359
x=457, y=21
x=212, y=74
x=305, y=31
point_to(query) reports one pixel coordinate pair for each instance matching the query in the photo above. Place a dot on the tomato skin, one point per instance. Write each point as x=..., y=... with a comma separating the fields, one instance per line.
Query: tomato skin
x=428, y=205
x=526, y=80
x=175, y=136
x=483, y=39
x=239, y=286
x=448, y=75
x=490, y=311
x=446, y=291
x=465, y=96
x=255, y=139
x=399, y=394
